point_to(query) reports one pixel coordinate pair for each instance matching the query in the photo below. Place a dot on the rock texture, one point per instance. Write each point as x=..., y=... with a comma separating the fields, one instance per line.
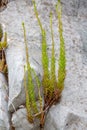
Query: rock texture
x=16, y=51
x=64, y=118
x=20, y=122
x=4, y=115
x=71, y=112
x=15, y=61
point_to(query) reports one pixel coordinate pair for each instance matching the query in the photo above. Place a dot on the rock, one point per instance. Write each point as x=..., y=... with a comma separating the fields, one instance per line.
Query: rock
x=71, y=113
x=4, y=114
x=63, y=118
x=16, y=61
x=73, y=104
x=73, y=8
x=83, y=32
x=15, y=54
x=20, y=122
x=70, y=7
x=56, y=118
x=74, y=121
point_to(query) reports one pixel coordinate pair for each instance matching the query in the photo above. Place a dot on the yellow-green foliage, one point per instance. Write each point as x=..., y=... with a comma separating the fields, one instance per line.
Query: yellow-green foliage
x=53, y=80
x=45, y=59
x=62, y=57
x=3, y=46
x=28, y=104
x=49, y=78
x=28, y=83
x=39, y=90
x=52, y=86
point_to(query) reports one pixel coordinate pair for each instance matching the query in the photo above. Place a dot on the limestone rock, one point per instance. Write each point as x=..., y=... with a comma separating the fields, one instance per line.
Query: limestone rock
x=73, y=8
x=63, y=118
x=56, y=118
x=20, y=122
x=4, y=114
x=74, y=121
x=15, y=53
x=16, y=62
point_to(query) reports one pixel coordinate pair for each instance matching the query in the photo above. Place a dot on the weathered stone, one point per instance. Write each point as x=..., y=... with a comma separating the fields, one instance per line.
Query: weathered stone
x=4, y=115
x=20, y=122
x=63, y=118
x=16, y=61
x=73, y=104
x=15, y=54
x=74, y=8
x=56, y=118
x=74, y=121
x=70, y=7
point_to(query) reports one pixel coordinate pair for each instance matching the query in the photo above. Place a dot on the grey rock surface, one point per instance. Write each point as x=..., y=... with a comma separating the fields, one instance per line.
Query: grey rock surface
x=20, y=122
x=15, y=54
x=62, y=118
x=4, y=114
x=15, y=63
x=71, y=113
x=74, y=8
